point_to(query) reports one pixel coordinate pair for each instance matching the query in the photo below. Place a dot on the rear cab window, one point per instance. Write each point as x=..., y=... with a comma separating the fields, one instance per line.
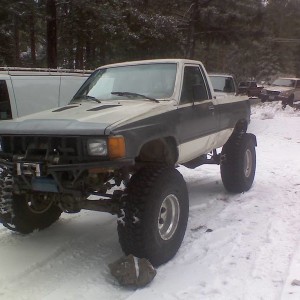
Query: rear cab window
x=5, y=108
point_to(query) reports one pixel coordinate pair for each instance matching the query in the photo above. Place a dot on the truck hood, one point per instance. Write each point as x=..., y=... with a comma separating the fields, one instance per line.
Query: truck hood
x=278, y=88
x=84, y=118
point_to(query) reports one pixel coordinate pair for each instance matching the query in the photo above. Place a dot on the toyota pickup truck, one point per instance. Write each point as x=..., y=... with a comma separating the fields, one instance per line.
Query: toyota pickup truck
x=115, y=148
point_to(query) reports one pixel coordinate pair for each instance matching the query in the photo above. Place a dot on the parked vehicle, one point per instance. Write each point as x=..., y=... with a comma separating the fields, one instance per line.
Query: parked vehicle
x=130, y=124
x=286, y=90
x=223, y=84
x=26, y=91
x=249, y=88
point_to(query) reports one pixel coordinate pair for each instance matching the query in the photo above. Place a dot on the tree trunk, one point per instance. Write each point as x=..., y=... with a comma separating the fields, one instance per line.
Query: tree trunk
x=90, y=52
x=297, y=60
x=51, y=34
x=32, y=38
x=191, y=39
x=16, y=40
x=79, y=55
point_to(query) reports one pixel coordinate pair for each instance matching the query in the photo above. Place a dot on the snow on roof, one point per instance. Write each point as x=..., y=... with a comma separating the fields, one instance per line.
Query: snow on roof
x=151, y=61
x=42, y=71
x=289, y=78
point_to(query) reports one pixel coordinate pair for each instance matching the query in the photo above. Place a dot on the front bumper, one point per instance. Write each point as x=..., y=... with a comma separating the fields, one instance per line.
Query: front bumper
x=61, y=178
x=264, y=97
x=39, y=169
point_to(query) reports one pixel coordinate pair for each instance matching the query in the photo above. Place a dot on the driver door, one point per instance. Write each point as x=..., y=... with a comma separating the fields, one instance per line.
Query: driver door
x=198, y=121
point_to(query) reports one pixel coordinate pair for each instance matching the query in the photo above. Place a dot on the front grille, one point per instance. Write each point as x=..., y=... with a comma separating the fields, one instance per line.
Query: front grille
x=41, y=147
x=273, y=93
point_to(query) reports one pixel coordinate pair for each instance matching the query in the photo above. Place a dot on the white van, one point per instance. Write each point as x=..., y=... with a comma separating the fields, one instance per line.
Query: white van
x=25, y=91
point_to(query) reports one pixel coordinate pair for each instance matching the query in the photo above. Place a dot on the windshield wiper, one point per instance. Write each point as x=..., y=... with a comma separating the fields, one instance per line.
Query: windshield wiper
x=88, y=97
x=134, y=94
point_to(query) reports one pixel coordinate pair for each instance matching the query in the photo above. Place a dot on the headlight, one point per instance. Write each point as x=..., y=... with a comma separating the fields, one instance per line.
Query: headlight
x=113, y=147
x=97, y=147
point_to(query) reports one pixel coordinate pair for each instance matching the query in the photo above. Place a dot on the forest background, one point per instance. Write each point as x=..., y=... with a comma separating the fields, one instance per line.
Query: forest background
x=252, y=39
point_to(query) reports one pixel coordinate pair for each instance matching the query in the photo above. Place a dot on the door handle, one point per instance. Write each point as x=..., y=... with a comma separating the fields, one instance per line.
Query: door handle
x=211, y=107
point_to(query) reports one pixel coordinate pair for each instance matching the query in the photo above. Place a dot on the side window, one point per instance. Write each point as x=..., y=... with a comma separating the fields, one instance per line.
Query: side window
x=298, y=84
x=5, y=109
x=193, y=86
x=229, y=85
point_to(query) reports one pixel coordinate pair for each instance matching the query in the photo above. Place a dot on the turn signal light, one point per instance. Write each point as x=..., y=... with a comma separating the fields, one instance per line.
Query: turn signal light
x=116, y=147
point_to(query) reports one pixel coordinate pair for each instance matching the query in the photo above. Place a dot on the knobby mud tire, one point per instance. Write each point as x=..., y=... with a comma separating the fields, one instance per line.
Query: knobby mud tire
x=6, y=188
x=140, y=227
x=16, y=212
x=238, y=163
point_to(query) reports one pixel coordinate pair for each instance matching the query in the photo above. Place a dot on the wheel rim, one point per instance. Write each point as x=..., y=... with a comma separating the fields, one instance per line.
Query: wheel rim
x=38, y=204
x=168, y=217
x=248, y=163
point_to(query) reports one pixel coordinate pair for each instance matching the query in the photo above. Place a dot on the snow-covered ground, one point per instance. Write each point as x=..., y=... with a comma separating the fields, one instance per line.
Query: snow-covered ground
x=252, y=252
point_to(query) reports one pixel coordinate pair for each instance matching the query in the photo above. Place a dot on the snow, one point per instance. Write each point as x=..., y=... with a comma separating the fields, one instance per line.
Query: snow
x=244, y=246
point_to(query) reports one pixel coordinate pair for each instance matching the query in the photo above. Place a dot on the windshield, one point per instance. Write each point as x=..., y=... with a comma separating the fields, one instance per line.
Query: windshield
x=284, y=82
x=150, y=80
x=222, y=84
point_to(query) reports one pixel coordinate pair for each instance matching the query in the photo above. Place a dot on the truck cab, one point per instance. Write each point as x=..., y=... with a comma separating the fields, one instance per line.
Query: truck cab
x=223, y=85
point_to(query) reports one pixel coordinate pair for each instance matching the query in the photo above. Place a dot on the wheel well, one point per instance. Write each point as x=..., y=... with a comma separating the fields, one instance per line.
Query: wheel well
x=162, y=150
x=240, y=127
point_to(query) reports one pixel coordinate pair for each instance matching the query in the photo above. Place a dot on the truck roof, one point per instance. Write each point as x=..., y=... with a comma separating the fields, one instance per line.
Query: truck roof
x=289, y=78
x=151, y=61
x=4, y=76
x=20, y=71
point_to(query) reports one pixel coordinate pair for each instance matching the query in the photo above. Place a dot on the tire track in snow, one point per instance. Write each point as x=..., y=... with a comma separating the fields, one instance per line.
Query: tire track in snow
x=253, y=239
x=241, y=257
x=79, y=256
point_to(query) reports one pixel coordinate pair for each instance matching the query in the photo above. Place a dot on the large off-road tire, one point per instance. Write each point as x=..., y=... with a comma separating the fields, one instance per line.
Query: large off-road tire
x=154, y=217
x=238, y=163
x=25, y=213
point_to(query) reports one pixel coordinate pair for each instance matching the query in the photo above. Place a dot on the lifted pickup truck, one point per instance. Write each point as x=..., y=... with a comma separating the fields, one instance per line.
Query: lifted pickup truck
x=120, y=140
